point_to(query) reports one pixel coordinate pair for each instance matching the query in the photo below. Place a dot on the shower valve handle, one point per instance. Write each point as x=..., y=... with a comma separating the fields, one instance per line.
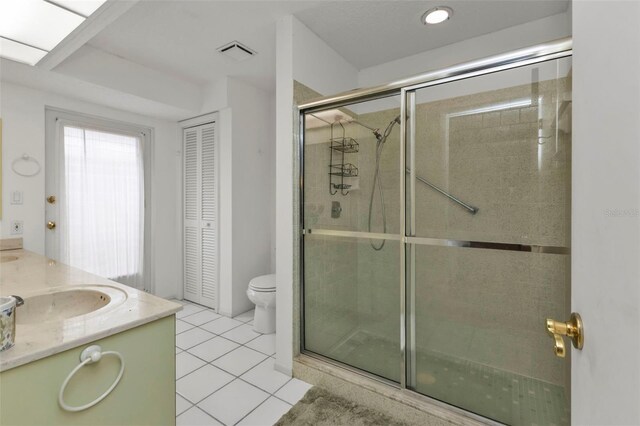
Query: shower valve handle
x=572, y=329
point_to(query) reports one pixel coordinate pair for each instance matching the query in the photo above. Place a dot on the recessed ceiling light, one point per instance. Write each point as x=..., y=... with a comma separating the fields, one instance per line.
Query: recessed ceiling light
x=437, y=15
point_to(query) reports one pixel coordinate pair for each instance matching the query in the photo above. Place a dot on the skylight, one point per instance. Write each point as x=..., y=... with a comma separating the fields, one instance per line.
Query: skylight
x=29, y=29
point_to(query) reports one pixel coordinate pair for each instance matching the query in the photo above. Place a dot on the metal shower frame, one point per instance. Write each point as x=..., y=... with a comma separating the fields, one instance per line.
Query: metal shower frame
x=406, y=88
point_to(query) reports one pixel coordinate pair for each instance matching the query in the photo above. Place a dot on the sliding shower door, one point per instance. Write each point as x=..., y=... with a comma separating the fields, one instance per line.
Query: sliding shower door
x=436, y=236
x=352, y=241
x=488, y=234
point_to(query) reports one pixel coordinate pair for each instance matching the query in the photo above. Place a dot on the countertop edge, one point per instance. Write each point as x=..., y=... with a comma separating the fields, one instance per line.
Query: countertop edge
x=35, y=356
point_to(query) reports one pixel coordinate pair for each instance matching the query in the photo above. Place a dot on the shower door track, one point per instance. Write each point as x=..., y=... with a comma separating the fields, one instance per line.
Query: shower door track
x=406, y=89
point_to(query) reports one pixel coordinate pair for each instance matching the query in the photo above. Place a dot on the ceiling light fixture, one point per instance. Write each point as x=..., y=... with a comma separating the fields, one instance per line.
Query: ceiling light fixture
x=437, y=15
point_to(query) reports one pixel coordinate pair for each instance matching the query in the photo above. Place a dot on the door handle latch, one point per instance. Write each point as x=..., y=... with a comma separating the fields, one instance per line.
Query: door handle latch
x=572, y=329
x=51, y=224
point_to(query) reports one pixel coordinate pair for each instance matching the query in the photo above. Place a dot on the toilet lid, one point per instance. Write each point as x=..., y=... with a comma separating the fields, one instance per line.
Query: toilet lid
x=264, y=282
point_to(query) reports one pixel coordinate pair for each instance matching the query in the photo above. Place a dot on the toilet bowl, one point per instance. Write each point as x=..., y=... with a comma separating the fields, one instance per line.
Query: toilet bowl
x=262, y=292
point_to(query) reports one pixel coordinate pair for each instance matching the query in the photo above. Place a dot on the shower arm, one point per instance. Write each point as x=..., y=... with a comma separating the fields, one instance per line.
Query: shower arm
x=469, y=208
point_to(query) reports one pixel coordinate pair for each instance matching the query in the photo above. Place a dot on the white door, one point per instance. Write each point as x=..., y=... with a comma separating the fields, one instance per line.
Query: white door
x=200, y=219
x=606, y=212
x=95, y=203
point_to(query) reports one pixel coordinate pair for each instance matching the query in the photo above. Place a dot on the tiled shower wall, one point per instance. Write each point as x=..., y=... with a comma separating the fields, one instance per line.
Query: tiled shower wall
x=486, y=306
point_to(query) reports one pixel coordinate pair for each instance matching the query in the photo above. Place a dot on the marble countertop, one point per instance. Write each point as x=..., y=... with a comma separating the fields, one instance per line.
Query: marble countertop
x=33, y=274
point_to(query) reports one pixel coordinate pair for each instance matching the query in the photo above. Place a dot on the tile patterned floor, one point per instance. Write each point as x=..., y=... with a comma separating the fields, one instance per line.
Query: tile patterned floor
x=225, y=372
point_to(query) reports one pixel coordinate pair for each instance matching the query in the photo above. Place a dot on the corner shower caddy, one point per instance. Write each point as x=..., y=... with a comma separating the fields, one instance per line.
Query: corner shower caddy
x=343, y=145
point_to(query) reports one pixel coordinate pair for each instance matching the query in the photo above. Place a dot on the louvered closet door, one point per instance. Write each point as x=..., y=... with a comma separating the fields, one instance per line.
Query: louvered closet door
x=201, y=215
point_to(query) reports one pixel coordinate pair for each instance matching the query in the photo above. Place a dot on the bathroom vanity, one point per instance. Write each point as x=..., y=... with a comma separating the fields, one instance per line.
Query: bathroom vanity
x=67, y=311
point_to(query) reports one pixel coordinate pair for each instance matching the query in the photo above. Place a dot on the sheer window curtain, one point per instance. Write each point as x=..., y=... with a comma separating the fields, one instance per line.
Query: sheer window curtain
x=102, y=204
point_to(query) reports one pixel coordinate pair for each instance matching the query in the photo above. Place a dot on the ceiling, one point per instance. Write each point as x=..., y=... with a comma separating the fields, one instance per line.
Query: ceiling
x=369, y=33
x=180, y=37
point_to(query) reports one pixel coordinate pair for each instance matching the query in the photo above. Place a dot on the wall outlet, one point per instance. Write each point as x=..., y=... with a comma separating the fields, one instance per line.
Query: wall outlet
x=17, y=226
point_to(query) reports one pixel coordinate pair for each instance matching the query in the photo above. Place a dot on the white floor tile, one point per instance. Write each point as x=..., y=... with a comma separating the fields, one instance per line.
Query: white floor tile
x=214, y=348
x=192, y=337
x=182, y=326
x=186, y=363
x=266, y=344
x=245, y=317
x=233, y=402
x=267, y=413
x=293, y=391
x=201, y=383
x=182, y=405
x=221, y=325
x=189, y=310
x=239, y=360
x=196, y=417
x=265, y=376
x=241, y=334
x=201, y=317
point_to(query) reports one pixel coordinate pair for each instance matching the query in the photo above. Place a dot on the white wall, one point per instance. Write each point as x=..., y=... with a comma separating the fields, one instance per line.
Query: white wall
x=606, y=206
x=284, y=195
x=512, y=38
x=107, y=70
x=301, y=56
x=317, y=65
x=247, y=187
x=253, y=161
x=22, y=110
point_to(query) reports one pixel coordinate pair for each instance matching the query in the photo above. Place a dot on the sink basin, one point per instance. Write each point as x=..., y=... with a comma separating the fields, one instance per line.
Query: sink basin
x=7, y=258
x=67, y=303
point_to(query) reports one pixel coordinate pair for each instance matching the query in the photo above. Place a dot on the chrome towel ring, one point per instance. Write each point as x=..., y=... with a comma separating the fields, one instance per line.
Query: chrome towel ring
x=26, y=158
x=90, y=355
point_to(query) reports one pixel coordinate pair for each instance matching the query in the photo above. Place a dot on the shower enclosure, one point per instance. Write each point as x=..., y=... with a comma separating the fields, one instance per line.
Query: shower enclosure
x=435, y=233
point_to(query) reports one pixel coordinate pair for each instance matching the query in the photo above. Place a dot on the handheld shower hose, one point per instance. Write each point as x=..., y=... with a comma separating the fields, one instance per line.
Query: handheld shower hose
x=377, y=180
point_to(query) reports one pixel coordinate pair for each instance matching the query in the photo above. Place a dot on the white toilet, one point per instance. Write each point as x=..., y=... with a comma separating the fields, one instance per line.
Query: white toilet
x=262, y=292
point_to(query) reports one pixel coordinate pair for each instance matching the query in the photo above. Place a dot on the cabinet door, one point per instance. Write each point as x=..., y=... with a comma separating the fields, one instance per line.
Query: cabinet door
x=144, y=396
x=201, y=270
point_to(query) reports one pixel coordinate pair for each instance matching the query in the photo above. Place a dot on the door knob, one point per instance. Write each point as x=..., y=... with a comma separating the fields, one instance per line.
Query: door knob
x=51, y=225
x=51, y=199
x=572, y=329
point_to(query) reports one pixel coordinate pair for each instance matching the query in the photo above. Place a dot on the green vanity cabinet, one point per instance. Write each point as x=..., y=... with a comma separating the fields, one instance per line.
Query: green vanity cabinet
x=144, y=396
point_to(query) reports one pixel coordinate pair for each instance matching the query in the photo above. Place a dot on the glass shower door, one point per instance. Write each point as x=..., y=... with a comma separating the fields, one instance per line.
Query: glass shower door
x=352, y=236
x=488, y=236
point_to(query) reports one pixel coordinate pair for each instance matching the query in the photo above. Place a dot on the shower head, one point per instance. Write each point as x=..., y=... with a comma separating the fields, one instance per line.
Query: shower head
x=382, y=137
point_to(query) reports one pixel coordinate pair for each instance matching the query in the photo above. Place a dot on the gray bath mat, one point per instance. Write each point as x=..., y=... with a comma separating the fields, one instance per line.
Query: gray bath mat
x=321, y=408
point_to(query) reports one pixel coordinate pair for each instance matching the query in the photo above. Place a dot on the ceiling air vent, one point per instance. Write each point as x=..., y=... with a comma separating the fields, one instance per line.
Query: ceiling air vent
x=237, y=51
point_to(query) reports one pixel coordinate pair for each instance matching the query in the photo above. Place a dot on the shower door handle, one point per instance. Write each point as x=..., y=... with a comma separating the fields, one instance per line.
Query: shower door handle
x=572, y=329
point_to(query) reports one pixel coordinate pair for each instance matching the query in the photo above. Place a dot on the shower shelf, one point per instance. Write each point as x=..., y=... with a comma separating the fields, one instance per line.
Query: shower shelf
x=339, y=169
x=345, y=144
x=343, y=170
x=341, y=185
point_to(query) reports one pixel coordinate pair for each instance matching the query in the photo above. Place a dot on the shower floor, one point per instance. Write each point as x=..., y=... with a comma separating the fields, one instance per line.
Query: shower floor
x=500, y=395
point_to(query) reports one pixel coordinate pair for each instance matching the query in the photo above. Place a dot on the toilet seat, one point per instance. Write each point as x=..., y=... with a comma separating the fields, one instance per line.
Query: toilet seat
x=262, y=293
x=263, y=284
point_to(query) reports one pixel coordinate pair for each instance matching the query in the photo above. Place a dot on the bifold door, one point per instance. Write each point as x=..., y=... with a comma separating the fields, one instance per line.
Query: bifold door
x=201, y=272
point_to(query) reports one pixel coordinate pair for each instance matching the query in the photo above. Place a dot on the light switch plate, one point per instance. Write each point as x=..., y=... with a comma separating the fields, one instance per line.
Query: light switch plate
x=16, y=197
